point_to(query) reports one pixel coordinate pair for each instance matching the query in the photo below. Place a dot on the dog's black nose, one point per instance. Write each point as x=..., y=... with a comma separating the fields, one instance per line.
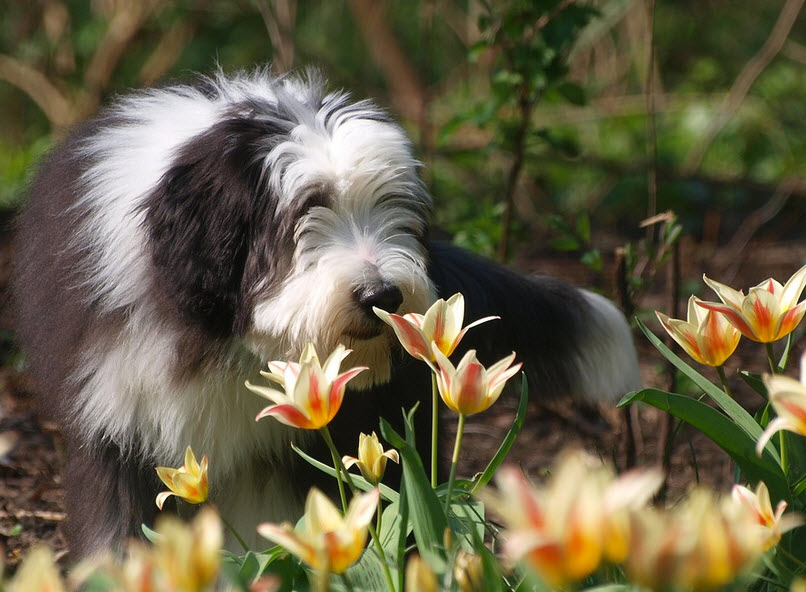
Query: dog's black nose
x=387, y=297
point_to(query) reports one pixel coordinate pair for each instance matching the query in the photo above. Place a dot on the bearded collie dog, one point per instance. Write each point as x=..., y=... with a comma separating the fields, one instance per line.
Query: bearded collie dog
x=188, y=234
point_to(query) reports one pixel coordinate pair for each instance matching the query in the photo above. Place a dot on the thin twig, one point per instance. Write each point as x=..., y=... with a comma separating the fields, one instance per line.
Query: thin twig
x=741, y=86
x=279, y=17
x=651, y=136
x=43, y=92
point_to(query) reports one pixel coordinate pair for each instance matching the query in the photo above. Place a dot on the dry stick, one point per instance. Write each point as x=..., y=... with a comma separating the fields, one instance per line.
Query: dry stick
x=737, y=247
x=651, y=136
x=43, y=92
x=627, y=305
x=121, y=30
x=526, y=104
x=741, y=86
x=279, y=24
x=407, y=90
x=667, y=427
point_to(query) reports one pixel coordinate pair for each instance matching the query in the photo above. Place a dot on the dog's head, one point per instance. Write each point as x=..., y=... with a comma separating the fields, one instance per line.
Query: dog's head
x=288, y=218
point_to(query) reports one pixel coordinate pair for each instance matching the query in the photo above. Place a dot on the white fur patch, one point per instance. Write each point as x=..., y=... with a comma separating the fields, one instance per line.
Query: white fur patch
x=608, y=364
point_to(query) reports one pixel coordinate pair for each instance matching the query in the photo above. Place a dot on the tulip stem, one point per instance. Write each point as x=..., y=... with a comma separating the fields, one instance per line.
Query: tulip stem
x=337, y=465
x=780, y=549
x=347, y=583
x=454, y=460
x=234, y=532
x=721, y=371
x=341, y=469
x=783, y=451
x=771, y=357
x=434, y=428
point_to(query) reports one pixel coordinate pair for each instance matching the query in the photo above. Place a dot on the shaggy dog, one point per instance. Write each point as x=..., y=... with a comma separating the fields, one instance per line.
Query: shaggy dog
x=188, y=234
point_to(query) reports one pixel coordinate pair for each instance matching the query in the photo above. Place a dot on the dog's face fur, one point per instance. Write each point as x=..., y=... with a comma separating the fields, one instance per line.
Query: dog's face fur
x=283, y=217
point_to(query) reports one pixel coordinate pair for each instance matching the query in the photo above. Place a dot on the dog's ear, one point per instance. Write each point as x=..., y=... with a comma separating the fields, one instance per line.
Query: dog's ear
x=200, y=220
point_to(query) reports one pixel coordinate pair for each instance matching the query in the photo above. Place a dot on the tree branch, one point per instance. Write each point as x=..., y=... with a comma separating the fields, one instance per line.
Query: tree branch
x=279, y=22
x=35, y=84
x=744, y=81
x=124, y=25
x=407, y=91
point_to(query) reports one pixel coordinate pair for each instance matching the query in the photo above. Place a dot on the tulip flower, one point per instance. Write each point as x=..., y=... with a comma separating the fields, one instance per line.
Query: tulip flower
x=371, y=459
x=768, y=313
x=419, y=576
x=38, y=573
x=468, y=572
x=313, y=391
x=184, y=557
x=470, y=388
x=702, y=544
x=188, y=482
x=772, y=524
x=326, y=540
x=708, y=337
x=566, y=529
x=439, y=329
x=189, y=557
x=788, y=398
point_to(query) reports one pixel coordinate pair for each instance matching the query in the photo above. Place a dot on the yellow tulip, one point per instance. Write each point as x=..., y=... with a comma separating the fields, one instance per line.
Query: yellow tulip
x=468, y=571
x=565, y=530
x=439, y=329
x=371, y=459
x=768, y=313
x=189, y=558
x=327, y=541
x=788, y=398
x=313, y=391
x=707, y=336
x=38, y=573
x=773, y=524
x=702, y=544
x=188, y=482
x=419, y=576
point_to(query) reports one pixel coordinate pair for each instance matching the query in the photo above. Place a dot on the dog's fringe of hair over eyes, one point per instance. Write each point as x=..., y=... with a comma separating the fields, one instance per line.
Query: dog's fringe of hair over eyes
x=188, y=234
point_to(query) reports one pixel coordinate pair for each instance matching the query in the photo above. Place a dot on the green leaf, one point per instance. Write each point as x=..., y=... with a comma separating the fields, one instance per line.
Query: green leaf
x=467, y=522
x=573, y=93
x=725, y=433
x=583, y=226
x=592, y=259
x=387, y=492
x=754, y=381
x=735, y=411
x=152, y=536
x=509, y=439
x=564, y=243
x=425, y=511
x=390, y=528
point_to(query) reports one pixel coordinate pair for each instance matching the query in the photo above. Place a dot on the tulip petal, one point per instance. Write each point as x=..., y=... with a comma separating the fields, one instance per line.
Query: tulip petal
x=285, y=537
x=776, y=425
x=727, y=295
x=162, y=497
x=287, y=414
x=733, y=315
x=361, y=510
x=409, y=335
x=267, y=393
x=790, y=320
x=793, y=289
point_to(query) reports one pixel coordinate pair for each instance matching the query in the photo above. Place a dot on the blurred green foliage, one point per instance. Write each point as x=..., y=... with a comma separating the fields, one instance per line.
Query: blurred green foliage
x=467, y=66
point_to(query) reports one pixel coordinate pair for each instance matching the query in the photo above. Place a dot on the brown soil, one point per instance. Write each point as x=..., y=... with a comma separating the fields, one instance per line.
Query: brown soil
x=31, y=459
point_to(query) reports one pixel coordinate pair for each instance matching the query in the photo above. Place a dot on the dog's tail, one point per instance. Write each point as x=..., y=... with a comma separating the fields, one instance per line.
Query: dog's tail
x=571, y=341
